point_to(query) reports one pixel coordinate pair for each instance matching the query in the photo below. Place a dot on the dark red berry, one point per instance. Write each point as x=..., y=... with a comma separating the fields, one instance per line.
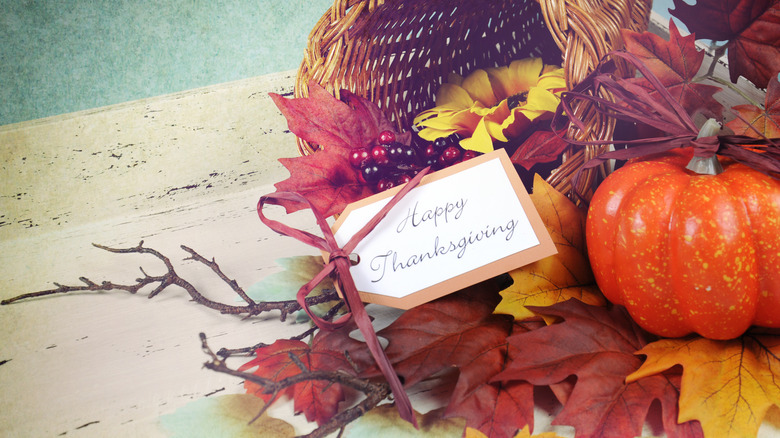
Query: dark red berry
x=408, y=154
x=396, y=153
x=371, y=173
x=428, y=151
x=359, y=158
x=379, y=155
x=440, y=143
x=402, y=179
x=384, y=184
x=386, y=137
x=469, y=154
x=450, y=155
x=431, y=161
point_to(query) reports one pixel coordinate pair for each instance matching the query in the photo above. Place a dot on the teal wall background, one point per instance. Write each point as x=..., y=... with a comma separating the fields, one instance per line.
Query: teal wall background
x=60, y=56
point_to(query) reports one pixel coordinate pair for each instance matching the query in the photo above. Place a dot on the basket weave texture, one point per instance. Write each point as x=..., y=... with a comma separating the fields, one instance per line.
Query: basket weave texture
x=397, y=53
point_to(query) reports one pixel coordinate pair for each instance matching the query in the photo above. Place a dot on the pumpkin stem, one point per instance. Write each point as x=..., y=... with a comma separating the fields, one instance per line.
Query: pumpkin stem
x=706, y=165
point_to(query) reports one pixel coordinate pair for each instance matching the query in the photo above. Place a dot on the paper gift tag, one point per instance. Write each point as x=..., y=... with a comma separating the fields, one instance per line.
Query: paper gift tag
x=462, y=225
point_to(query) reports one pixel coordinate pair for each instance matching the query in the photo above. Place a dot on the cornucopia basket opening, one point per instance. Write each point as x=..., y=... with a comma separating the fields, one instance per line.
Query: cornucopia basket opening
x=398, y=53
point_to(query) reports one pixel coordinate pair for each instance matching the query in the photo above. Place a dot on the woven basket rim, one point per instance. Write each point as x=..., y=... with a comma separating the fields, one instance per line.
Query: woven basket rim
x=583, y=30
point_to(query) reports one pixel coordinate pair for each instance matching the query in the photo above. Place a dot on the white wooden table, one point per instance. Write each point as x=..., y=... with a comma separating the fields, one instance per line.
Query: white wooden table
x=181, y=169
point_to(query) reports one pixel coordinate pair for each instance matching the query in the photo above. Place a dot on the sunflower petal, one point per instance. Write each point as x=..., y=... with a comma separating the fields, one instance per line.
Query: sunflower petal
x=495, y=120
x=460, y=120
x=444, y=111
x=453, y=96
x=552, y=81
x=525, y=73
x=514, y=125
x=501, y=82
x=541, y=100
x=480, y=141
x=478, y=86
x=455, y=79
x=431, y=134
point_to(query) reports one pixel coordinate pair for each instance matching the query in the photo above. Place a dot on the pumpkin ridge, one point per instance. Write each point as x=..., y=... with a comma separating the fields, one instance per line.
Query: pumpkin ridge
x=685, y=252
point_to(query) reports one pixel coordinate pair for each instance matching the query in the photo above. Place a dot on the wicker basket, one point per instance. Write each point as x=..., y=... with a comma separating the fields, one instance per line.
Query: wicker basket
x=397, y=53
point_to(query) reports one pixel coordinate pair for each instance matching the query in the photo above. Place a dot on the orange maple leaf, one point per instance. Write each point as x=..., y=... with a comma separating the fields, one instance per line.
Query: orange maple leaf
x=757, y=122
x=728, y=386
x=561, y=276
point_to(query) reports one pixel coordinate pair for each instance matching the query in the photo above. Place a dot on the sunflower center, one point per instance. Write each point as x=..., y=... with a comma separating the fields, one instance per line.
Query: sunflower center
x=516, y=100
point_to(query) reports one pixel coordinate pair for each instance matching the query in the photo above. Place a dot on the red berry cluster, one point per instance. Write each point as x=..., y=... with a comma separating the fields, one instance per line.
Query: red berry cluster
x=389, y=163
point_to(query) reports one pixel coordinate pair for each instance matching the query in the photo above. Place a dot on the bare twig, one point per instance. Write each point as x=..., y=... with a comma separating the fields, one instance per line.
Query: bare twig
x=172, y=278
x=374, y=392
x=248, y=351
x=217, y=270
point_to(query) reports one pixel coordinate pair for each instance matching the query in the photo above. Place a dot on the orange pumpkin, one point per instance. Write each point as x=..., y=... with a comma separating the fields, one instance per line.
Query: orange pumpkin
x=685, y=252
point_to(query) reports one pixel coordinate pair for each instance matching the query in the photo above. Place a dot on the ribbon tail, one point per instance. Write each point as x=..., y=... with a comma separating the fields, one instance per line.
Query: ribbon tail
x=363, y=322
x=304, y=292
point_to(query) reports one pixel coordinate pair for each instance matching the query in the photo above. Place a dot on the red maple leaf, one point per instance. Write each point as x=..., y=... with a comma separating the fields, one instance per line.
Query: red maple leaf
x=540, y=147
x=335, y=126
x=325, y=179
x=675, y=62
x=751, y=27
x=597, y=346
x=318, y=400
x=757, y=122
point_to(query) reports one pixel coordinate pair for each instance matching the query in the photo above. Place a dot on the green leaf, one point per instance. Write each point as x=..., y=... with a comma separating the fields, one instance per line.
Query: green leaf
x=225, y=416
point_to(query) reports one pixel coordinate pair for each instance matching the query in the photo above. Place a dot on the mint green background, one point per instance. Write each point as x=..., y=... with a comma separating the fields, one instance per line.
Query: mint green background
x=60, y=56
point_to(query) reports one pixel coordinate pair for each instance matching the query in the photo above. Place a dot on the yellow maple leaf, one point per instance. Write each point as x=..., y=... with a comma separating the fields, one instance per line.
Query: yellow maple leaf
x=728, y=386
x=561, y=276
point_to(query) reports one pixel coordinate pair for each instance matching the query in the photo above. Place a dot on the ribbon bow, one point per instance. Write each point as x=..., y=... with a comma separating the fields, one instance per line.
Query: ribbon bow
x=338, y=261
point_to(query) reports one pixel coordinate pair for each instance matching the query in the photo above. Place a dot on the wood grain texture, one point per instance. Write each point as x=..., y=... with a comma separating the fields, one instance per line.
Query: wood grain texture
x=181, y=169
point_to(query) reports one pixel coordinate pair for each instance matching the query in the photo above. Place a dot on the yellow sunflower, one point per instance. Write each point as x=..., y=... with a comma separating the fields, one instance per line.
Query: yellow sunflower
x=493, y=104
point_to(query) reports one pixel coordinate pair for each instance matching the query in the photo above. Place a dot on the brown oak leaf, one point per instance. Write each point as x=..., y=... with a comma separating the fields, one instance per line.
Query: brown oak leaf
x=496, y=409
x=596, y=345
x=751, y=27
x=325, y=179
x=728, y=386
x=756, y=122
x=458, y=332
x=561, y=276
x=675, y=62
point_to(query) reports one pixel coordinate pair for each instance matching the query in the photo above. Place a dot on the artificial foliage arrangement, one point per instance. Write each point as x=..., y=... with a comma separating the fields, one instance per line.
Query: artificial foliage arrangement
x=662, y=302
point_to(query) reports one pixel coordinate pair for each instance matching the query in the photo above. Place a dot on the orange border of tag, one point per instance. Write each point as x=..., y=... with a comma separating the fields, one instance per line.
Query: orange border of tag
x=545, y=248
